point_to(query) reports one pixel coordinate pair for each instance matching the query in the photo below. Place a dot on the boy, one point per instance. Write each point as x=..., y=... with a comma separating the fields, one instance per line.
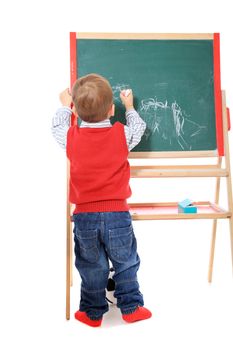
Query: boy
x=99, y=187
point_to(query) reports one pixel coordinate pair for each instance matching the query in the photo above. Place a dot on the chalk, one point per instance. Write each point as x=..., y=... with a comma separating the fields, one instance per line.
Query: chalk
x=127, y=92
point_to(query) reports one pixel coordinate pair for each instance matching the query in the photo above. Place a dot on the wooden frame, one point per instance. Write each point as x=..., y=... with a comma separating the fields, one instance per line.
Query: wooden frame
x=215, y=170
x=186, y=154
x=178, y=171
x=147, y=36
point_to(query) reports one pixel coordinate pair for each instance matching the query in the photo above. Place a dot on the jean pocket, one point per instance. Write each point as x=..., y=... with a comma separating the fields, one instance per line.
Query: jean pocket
x=120, y=243
x=86, y=241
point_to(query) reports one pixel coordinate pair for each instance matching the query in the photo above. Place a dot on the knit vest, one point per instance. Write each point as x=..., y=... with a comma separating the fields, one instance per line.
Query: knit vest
x=99, y=168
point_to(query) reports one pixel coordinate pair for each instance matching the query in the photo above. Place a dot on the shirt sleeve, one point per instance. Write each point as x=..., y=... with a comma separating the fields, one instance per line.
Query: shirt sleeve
x=134, y=128
x=60, y=125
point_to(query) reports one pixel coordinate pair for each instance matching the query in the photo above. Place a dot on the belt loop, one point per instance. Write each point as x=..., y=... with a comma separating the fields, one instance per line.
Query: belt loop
x=102, y=226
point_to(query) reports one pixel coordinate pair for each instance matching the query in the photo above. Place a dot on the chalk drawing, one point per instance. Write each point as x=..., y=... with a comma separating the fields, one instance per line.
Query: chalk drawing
x=169, y=121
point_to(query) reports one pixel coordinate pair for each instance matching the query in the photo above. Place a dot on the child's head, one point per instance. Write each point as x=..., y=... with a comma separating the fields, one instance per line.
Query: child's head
x=92, y=97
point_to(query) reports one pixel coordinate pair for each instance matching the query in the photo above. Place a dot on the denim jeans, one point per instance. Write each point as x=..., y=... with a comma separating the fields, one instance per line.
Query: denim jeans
x=100, y=237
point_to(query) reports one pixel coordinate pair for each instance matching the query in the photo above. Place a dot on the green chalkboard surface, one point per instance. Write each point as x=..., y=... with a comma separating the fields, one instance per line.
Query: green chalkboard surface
x=172, y=82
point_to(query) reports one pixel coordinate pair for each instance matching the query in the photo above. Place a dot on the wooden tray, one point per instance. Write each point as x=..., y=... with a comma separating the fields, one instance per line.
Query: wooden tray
x=161, y=211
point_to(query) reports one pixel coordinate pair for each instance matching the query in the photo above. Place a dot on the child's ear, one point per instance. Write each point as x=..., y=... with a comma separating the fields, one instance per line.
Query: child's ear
x=111, y=111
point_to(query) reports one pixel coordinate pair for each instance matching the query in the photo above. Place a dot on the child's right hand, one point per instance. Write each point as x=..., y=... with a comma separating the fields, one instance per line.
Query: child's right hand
x=127, y=100
x=65, y=98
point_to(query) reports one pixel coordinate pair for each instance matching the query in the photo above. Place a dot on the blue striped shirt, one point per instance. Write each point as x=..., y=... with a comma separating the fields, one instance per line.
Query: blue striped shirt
x=134, y=128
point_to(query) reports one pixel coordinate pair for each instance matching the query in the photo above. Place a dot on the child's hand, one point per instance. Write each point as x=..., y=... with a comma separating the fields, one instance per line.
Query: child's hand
x=65, y=98
x=127, y=99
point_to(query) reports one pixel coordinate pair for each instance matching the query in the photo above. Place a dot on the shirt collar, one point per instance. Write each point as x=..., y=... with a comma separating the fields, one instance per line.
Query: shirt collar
x=102, y=124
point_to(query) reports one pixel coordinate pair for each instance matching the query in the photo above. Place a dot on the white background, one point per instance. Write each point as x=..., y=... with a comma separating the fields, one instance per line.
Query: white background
x=188, y=313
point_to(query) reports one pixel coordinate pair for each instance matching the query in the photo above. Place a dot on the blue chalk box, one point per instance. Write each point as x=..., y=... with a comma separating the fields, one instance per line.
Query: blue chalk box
x=187, y=207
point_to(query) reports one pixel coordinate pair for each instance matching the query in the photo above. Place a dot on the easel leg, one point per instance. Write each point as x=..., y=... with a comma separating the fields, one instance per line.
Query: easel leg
x=231, y=238
x=228, y=167
x=71, y=255
x=68, y=261
x=212, y=248
x=229, y=192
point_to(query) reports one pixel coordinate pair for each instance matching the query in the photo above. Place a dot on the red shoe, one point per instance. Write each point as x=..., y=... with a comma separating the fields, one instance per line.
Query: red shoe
x=141, y=313
x=82, y=317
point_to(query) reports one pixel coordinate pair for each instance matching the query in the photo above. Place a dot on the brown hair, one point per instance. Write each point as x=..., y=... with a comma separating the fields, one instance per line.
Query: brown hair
x=92, y=97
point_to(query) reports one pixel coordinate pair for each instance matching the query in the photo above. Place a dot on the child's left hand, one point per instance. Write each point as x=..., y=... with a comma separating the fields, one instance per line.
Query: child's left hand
x=65, y=98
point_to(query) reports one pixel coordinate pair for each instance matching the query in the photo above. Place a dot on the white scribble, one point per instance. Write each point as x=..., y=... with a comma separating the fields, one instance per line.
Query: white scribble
x=169, y=121
x=178, y=118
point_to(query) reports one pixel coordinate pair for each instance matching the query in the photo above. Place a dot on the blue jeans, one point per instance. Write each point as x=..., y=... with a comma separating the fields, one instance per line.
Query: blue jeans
x=100, y=237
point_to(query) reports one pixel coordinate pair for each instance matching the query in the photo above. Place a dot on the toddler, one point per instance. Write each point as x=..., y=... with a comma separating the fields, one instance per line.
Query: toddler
x=99, y=188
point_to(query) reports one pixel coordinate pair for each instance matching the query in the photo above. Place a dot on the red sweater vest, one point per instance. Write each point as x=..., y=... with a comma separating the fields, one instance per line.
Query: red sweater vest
x=99, y=168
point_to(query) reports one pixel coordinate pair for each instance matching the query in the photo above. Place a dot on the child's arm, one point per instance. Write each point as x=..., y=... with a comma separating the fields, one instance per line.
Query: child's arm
x=61, y=119
x=135, y=127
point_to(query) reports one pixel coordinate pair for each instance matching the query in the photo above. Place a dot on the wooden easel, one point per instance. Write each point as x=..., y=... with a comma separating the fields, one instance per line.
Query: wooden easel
x=152, y=211
x=168, y=211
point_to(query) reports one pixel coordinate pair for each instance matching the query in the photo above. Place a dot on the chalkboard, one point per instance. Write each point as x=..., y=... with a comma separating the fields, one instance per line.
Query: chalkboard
x=173, y=86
